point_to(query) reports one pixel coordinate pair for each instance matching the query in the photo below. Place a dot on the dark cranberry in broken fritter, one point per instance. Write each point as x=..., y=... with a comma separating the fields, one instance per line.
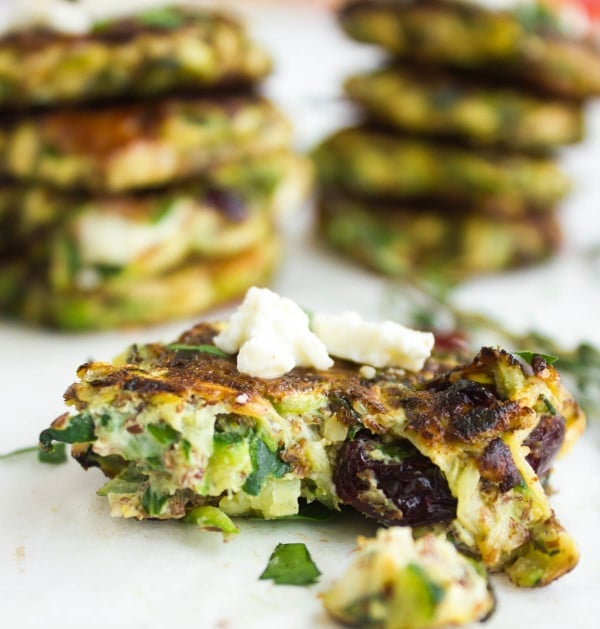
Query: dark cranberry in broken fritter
x=405, y=487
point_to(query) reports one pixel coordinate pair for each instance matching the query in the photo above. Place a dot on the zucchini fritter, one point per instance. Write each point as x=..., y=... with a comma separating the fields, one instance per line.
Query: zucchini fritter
x=458, y=34
x=195, y=286
x=437, y=104
x=154, y=52
x=375, y=164
x=178, y=427
x=217, y=215
x=402, y=238
x=124, y=147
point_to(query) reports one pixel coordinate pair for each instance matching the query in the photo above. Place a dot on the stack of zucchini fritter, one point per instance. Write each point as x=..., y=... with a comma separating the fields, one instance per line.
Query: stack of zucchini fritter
x=452, y=172
x=140, y=173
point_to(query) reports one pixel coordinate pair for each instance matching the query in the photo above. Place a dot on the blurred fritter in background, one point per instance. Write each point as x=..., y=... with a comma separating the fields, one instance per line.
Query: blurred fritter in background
x=141, y=173
x=452, y=170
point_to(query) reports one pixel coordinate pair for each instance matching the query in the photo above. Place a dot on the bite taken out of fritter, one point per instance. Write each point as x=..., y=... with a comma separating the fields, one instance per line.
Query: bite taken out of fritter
x=183, y=434
x=437, y=104
x=154, y=52
x=436, y=240
x=141, y=145
x=526, y=45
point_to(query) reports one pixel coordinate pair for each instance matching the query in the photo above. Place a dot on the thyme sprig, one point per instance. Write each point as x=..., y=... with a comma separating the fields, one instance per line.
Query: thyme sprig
x=430, y=306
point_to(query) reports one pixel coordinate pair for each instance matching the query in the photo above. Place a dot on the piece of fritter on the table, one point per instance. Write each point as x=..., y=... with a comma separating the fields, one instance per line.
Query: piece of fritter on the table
x=143, y=231
x=452, y=106
x=153, y=52
x=183, y=434
x=123, y=147
x=432, y=240
x=196, y=285
x=376, y=164
x=523, y=45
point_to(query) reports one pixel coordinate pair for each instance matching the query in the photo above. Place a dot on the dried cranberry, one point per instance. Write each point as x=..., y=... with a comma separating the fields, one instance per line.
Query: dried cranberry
x=408, y=488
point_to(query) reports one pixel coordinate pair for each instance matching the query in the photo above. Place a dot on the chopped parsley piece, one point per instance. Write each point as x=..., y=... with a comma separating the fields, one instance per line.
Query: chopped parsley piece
x=528, y=355
x=80, y=429
x=55, y=456
x=153, y=502
x=207, y=349
x=163, y=433
x=265, y=463
x=291, y=564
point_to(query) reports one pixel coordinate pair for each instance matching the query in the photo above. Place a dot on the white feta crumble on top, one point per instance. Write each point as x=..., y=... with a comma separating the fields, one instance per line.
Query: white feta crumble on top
x=385, y=344
x=367, y=372
x=271, y=335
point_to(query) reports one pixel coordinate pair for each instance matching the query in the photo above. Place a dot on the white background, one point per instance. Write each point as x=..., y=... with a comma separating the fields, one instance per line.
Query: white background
x=65, y=562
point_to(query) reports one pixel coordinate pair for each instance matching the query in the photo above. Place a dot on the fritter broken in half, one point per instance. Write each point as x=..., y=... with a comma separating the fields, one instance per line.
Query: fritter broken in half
x=182, y=434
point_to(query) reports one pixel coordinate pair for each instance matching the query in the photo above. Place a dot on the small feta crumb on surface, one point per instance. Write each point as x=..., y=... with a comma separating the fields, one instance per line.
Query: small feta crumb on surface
x=271, y=335
x=242, y=398
x=367, y=372
x=385, y=344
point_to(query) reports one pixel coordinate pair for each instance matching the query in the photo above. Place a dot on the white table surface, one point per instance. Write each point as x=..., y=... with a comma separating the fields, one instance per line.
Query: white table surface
x=63, y=560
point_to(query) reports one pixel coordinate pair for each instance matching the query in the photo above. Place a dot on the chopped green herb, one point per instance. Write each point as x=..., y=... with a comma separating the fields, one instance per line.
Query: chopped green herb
x=412, y=301
x=80, y=429
x=211, y=519
x=165, y=17
x=107, y=271
x=207, y=349
x=129, y=481
x=528, y=355
x=227, y=438
x=549, y=405
x=291, y=564
x=153, y=502
x=265, y=463
x=57, y=454
x=163, y=207
x=163, y=433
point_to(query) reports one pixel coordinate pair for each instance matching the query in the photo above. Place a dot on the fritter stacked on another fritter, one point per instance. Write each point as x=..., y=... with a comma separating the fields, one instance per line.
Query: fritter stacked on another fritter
x=452, y=170
x=140, y=173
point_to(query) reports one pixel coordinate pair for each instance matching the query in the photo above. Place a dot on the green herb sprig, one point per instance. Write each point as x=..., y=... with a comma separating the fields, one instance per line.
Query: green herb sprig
x=55, y=455
x=429, y=306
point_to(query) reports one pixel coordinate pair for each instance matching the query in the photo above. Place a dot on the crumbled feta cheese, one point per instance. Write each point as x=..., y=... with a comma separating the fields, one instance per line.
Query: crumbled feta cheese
x=272, y=335
x=367, y=372
x=385, y=344
x=242, y=398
